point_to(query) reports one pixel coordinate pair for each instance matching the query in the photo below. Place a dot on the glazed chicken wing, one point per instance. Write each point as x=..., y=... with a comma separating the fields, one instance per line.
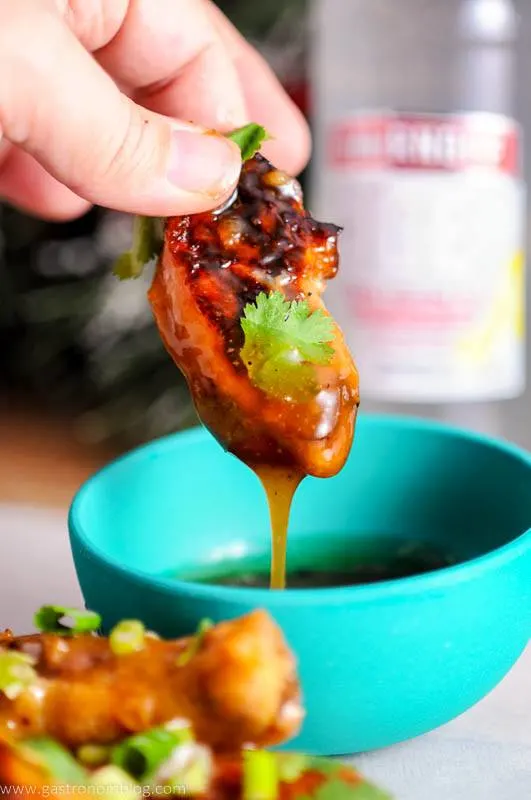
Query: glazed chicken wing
x=212, y=266
x=239, y=687
x=132, y=716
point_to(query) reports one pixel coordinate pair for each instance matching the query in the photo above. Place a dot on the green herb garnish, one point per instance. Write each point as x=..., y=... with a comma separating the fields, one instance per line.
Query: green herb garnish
x=114, y=784
x=260, y=775
x=51, y=619
x=195, y=643
x=148, y=234
x=16, y=672
x=249, y=139
x=142, y=754
x=128, y=636
x=283, y=342
x=54, y=759
x=188, y=770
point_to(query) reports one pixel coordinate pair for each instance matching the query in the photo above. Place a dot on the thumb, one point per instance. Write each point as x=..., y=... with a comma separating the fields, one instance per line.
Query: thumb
x=64, y=110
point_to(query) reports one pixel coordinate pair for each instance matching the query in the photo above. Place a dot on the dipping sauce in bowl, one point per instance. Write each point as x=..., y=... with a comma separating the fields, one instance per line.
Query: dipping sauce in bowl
x=368, y=559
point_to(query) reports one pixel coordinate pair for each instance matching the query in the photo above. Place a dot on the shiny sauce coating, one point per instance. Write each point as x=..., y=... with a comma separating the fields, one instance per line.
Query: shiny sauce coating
x=212, y=266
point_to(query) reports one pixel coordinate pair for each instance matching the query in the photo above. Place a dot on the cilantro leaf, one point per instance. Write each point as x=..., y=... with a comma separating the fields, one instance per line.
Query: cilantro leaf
x=284, y=341
x=249, y=139
x=147, y=243
x=51, y=619
x=284, y=376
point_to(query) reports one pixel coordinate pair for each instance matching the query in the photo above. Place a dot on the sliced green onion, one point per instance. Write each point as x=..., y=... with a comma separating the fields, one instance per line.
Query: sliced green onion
x=197, y=775
x=128, y=636
x=195, y=643
x=52, y=619
x=291, y=766
x=93, y=755
x=54, y=759
x=260, y=775
x=118, y=783
x=142, y=754
x=16, y=672
x=188, y=770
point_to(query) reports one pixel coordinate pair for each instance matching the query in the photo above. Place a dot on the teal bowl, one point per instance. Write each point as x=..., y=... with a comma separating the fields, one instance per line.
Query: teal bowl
x=379, y=663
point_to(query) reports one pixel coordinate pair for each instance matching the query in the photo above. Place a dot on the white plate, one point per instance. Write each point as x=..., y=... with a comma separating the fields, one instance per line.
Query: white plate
x=483, y=755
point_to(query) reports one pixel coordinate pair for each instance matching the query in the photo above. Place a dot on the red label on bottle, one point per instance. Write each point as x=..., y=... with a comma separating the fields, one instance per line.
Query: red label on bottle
x=451, y=143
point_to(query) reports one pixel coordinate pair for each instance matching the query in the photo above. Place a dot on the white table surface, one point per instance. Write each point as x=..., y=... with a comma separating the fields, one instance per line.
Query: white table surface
x=483, y=755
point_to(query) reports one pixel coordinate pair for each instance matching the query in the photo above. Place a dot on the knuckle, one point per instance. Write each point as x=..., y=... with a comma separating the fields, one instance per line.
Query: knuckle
x=134, y=149
x=94, y=22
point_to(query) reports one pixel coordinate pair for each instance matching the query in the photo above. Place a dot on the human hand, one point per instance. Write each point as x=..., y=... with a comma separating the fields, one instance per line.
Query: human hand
x=94, y=101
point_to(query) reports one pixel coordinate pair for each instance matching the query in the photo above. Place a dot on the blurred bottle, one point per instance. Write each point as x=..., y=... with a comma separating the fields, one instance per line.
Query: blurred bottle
x=517, y=413
x=419, y=157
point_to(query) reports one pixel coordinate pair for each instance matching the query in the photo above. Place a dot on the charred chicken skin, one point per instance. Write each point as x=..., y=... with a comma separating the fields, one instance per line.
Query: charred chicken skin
x=239, y=687
x=212, y=266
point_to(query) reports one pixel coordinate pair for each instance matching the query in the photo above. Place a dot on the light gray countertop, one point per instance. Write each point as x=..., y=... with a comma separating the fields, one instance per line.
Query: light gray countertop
x=483, y=755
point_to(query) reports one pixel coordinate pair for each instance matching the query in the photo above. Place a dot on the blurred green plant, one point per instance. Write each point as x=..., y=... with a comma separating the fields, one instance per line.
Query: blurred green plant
x=256, y=19
x=79, y=341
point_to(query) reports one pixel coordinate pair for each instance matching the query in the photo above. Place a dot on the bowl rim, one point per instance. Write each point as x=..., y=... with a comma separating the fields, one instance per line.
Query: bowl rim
x=382, y=591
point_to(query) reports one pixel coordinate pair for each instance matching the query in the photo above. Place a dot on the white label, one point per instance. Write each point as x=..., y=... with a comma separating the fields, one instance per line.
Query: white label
x=430, y=292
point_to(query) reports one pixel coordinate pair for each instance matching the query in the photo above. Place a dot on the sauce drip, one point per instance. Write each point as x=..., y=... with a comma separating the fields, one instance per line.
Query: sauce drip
x=280, y=485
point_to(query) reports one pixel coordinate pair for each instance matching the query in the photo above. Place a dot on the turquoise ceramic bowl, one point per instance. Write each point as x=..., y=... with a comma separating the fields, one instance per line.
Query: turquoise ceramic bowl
x=379, y=663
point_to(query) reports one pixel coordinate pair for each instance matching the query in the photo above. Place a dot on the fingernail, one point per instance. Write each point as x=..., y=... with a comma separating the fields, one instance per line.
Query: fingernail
x=203, y=163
